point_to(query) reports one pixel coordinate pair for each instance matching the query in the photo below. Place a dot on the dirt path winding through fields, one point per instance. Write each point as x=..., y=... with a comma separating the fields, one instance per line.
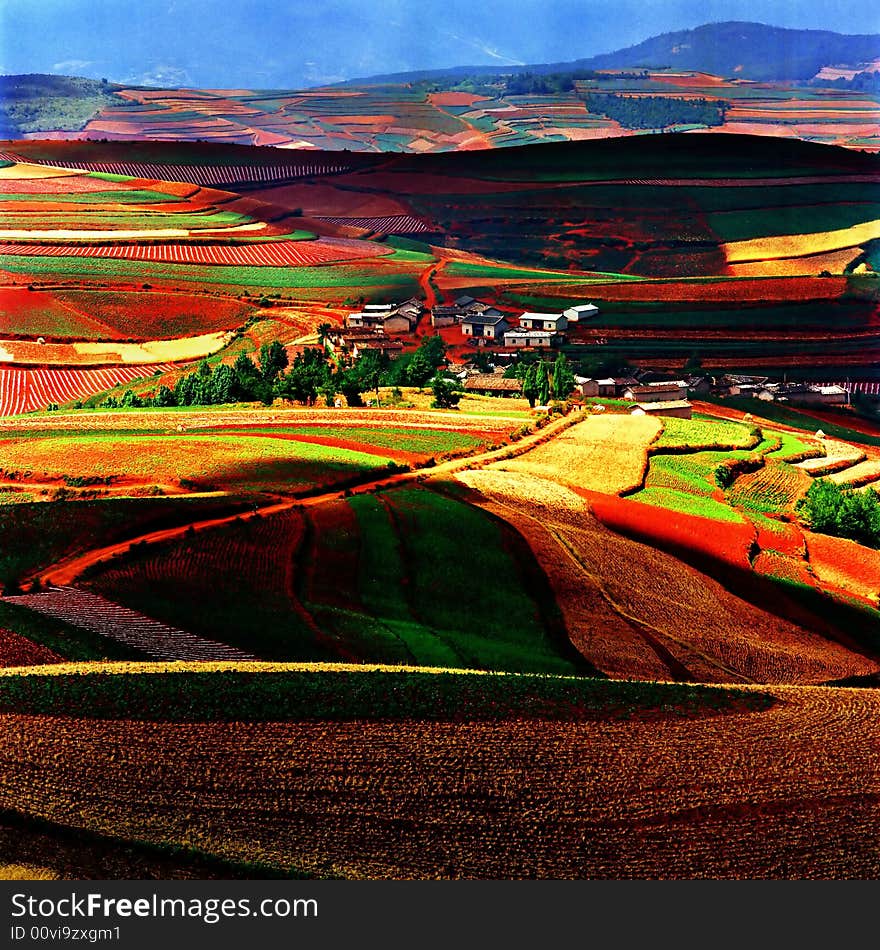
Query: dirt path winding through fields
x=65, y=572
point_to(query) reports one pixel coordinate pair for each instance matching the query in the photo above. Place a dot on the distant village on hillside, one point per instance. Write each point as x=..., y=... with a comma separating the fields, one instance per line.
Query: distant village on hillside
x=502, y=338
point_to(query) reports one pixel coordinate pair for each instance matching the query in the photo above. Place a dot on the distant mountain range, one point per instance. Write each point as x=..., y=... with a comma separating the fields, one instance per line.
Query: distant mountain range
x=733, y=49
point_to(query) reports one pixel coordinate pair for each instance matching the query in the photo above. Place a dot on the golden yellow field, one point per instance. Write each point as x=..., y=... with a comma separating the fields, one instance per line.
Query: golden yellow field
x=605, y=453
x=798, y=245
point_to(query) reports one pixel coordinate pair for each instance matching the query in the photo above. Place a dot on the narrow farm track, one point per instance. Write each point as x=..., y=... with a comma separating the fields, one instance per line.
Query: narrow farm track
x=65, y=572
x=133, y=629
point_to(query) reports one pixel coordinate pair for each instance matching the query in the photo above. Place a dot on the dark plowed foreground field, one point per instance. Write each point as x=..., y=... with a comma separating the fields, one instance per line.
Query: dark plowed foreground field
x=619, y=781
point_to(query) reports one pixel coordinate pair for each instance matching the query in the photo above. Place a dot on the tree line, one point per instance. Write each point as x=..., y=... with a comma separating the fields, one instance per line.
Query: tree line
x=310, y=375
x=656, y=112
x=829, y=509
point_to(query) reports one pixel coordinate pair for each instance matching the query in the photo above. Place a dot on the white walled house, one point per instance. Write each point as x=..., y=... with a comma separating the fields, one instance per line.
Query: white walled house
x=484, y=325
x=554, y=322
x=583, y=311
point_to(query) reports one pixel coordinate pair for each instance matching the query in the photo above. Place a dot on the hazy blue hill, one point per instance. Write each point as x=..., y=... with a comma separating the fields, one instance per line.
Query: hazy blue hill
x=746, y=50
x=732, y=49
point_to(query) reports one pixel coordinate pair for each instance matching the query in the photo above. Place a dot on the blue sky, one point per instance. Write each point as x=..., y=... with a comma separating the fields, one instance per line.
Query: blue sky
x=273, y=43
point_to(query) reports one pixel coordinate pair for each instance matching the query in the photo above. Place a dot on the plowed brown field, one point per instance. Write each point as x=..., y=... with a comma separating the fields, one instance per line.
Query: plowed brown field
x=792, y=791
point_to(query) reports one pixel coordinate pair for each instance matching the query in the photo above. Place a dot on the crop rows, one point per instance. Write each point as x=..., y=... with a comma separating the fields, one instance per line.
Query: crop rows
x=389, y=224
x=787, y=792
x=26, y=390
x=211, y=175
x=773, y=487
x=126, y=626
x=272, y=254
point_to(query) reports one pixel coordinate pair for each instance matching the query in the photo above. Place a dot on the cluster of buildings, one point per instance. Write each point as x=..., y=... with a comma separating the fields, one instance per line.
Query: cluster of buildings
x=480, y=322
x=483, y=323
x=763, y=388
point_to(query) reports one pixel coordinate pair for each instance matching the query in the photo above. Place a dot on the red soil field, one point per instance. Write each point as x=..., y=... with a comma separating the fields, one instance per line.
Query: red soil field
x=845, y=564
x=272, y=254
x=65, y=185
x=154, y=315
x=390, y=224
x=787, y=792
x=26, y=312
x=786, y=538
x=322, y=198
x=846, y=418
x=206, y=174
x=16, y=650
x=724, y=541
x=454, y=98
x=25, y=390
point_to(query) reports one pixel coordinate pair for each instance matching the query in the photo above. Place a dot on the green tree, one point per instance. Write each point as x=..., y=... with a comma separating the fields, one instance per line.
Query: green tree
x=543, y=383
x=323, y=333
x=163, y=397
x=563, y=378
x=420, y=369
x=446, y=393
x=530, y=385
x=273, y=360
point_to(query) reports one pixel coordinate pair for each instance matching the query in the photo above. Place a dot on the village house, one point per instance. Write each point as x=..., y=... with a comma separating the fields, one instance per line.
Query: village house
x=698, y=385
x=583, y=311
x=493, y=384
x=586, y=386
x=832, y=395
x=365, y=318
x=484, y=325
x=522, y=338
x=672, y=391
x=399, y=322
x=445, y=315
x=679, y=408
x=554, y=322
x=403, y=317
x=392, y=348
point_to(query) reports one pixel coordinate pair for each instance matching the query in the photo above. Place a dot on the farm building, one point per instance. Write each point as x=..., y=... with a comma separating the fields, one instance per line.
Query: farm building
x=445, y=316
x=398, y=323
x=699, y=385
x=831, y=395
x=464, y=301
x=378, y=314
x=484, y=325
x=554, y=322
x=680, y=408
x=364, y=318
x=493, y=384
x=521, y=338
x=391, y=347
x=657, y=392
x=379, y=307
x=583, y=311
x=586, y=386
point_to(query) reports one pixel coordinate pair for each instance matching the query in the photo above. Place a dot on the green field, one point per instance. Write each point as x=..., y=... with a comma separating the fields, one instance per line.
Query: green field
x=40, y=533
x=294, y=278
x=375, y=578
x=698, y=432
x=338, y=695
